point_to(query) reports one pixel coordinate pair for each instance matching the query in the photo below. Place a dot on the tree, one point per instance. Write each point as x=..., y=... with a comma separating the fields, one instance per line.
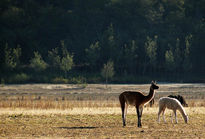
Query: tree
x=109, y=44
x=178, y=56
x=93, y=54
x=108, y=71
x=169, y=58
x=37, y=63
x=151, y=51
x=12, y=56
x=66, y=63
x=54, y=58
x=187, y=65
x=130, y=56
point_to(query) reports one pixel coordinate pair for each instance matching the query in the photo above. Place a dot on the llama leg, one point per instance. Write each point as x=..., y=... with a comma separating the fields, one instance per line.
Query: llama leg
x=139, y=117
x=175, y=113
x=123, y=113
x=172, y=114
x=141, y=110
x=163, y=115
x=160, y=111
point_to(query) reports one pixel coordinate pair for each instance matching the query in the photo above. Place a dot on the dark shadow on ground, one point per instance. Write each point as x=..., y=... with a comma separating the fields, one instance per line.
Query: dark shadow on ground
x=79, y=127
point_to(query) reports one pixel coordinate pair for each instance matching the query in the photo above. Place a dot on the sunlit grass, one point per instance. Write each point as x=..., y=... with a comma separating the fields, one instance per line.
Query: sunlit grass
x=94, y=111
x=97, y=126
x=66, y=111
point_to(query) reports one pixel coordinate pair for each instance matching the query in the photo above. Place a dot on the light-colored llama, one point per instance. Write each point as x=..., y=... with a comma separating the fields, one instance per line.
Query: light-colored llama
x=173, y=104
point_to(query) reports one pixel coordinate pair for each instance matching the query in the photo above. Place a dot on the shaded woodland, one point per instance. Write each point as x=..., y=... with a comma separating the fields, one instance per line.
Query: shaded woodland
x=70, y=41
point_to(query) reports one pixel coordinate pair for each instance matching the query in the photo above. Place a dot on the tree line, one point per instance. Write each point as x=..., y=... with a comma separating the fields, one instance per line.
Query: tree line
x=43, y=41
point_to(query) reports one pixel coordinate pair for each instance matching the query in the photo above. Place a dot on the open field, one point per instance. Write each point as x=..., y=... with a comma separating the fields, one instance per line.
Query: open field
x=61, y=111
x=98, y=126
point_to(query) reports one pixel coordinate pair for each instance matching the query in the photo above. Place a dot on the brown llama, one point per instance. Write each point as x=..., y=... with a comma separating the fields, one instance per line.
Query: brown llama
x=136, y=99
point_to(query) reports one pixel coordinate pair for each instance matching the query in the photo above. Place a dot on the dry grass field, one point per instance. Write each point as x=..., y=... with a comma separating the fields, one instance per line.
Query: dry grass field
x=75, y=111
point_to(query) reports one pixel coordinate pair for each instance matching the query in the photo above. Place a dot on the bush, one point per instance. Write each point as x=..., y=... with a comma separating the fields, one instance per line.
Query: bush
x=81, y=81
x=19, y=78
x=37, y=63
x=59, y=80
x=2, y=82
x=78, y=80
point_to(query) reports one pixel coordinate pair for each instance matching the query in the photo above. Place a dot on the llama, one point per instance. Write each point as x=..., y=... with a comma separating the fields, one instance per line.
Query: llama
x=136, y=99
x=181, y=99
x=173, y=104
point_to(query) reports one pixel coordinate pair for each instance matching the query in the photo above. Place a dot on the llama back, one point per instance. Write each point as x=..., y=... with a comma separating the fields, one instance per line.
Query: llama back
x=170, y=103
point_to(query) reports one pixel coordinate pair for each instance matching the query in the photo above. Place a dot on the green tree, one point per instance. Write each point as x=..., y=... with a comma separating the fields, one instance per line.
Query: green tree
x=169, y=58
x=187, y=65
x=12, y=56
x=37, y=63
x=109, y=44
x=130, y=56
x=151, y=51
x=66, y=63
x=93, y=54
x=54, y=58
x=178, y=56
x=107, y=71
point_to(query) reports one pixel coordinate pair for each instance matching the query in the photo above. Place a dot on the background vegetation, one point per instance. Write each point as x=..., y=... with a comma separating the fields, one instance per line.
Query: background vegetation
x=70, y=41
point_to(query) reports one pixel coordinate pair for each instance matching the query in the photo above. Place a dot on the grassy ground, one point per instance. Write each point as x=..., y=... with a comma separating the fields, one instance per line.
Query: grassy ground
x=98, y=126
x=61, y=111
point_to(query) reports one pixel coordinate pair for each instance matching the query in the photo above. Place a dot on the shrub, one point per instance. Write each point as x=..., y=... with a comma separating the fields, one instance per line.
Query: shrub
x=59, y=80
x=37, y=63
x=19, y=78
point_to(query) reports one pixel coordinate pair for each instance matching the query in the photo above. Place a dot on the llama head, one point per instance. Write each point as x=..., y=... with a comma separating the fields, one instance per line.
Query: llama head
x=154, y=85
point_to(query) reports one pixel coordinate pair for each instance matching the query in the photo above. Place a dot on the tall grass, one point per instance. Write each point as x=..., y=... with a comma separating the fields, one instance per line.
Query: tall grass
x=43, y=96
x=44, y=102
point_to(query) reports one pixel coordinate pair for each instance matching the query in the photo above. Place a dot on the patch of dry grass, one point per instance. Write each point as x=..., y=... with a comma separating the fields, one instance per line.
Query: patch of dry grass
x=62, y=104
x=94, y=111
x=45, y=96
x=44, y=111
x=97, y=126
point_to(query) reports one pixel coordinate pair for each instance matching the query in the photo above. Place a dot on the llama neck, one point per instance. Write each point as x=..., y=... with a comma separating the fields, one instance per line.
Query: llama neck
x=150, y=96
x=182, y=111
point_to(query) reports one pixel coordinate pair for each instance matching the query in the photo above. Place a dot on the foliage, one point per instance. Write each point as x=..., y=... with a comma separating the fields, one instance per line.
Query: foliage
x=93, y=54
x=59, y=80
x=80, y=36
x=108, y=70
x=187, y=62
x=66, y=63
x=169, y=57
x=12, y=56
x=151, y=51
x=37, y=63
x=54, y=58
x=19, y=78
